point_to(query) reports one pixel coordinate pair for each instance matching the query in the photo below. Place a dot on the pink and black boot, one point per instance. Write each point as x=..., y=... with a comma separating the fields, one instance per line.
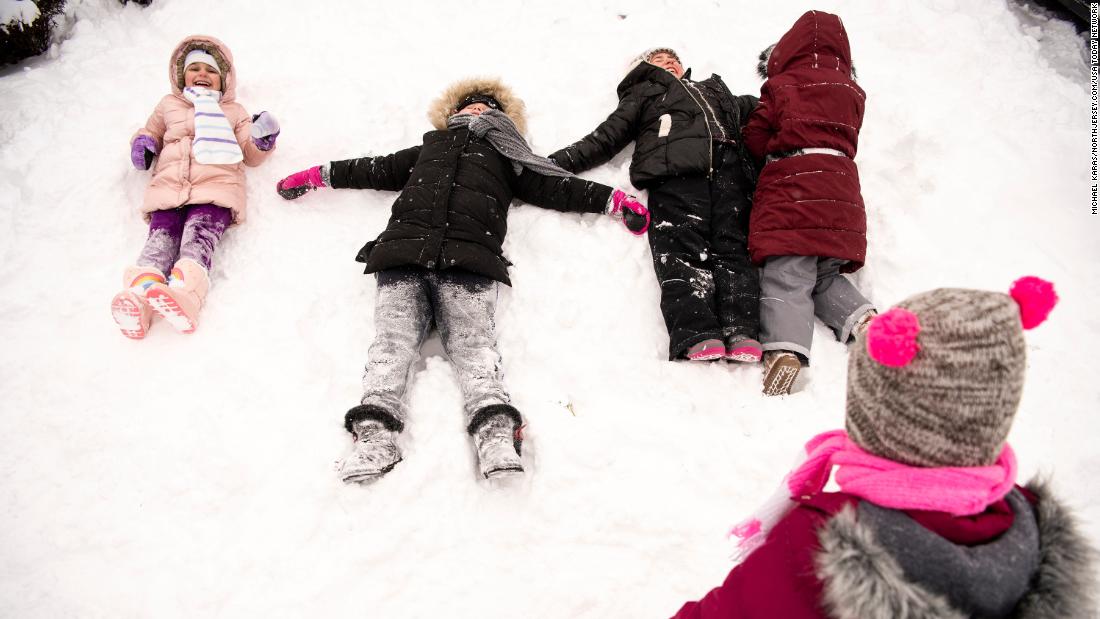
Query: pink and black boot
x=129, y=308
x=180, y=300
x=744, y=350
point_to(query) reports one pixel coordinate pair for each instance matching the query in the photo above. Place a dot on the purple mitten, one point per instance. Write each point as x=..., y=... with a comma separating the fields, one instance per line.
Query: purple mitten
x=634, y=214
x=142, y=151
x=297, y=184
x=265, y=129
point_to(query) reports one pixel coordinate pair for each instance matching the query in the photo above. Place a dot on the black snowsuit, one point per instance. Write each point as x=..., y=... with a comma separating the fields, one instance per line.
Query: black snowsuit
x=688, y=154
x=437, y=259
x=453, y=209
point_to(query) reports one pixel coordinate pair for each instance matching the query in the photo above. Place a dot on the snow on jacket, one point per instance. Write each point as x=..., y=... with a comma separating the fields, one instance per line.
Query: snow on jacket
x=177, y=178
x=838, y=557
x=810, y=204
x=456, y=188
x=668, y=124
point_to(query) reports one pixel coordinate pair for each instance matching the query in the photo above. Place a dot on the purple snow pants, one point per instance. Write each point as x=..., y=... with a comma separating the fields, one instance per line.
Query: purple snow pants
x=190, y=231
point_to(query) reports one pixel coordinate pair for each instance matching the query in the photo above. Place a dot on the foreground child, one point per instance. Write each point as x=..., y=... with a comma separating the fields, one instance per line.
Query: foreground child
x=808, y=224
x=928, y=522
x=199, y=136
x=439, y=262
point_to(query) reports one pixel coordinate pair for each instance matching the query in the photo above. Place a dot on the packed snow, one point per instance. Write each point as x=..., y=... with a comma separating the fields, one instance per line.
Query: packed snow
x=192, y=476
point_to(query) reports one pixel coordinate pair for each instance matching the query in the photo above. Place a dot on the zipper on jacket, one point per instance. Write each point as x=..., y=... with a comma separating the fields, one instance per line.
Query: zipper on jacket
x=710, y=134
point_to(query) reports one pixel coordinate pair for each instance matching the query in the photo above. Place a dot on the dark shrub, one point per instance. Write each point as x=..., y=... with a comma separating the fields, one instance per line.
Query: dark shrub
x=19, y=41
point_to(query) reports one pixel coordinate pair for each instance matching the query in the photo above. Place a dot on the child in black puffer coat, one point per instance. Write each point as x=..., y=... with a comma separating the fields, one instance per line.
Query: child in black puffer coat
x=688, y=154
x=440, y=261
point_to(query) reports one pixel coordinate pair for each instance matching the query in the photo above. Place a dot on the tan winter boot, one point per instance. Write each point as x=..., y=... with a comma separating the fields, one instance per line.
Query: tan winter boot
x=129, y=308
x=780, y=369
x=863, y=323
x=180, y=300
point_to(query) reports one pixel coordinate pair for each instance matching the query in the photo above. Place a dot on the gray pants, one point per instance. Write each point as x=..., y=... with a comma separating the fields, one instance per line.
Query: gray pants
x=794, y=289
x=462, y=306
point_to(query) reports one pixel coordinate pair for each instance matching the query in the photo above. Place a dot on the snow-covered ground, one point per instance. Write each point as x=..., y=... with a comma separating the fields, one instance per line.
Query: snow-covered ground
x=192, y=476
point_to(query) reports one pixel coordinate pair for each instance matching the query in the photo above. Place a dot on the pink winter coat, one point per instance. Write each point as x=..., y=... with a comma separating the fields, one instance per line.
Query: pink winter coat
x=177, y=178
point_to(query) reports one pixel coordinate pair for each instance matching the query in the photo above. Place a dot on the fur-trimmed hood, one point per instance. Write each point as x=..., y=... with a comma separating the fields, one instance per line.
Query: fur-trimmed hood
x=444, y=106
x=215, y=48
x=861, y=578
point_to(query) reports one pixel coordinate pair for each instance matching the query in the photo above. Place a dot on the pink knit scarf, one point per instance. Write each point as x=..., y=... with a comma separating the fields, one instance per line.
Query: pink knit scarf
x=960, y=491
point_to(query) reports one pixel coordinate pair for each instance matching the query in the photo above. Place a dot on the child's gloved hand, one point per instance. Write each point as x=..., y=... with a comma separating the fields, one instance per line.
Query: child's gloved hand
x=265, y=129
x=297, y=184
x=142, y=151
x=634, y=214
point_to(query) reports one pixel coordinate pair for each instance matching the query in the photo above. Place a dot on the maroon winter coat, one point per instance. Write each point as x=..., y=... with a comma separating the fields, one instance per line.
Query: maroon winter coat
x=810, y=204
x=794, y=574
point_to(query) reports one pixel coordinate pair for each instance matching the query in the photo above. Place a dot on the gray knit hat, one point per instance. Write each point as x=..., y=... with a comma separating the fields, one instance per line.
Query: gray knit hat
x=936, y=381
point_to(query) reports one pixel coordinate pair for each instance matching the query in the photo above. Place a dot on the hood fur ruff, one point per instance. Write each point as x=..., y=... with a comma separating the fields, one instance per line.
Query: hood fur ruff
x=861, y=579
x=444, y=106
x=215, y=48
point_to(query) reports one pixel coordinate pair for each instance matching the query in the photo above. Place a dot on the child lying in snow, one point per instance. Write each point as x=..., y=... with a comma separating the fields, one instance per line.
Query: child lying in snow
x=439, y=261
x=199, y=136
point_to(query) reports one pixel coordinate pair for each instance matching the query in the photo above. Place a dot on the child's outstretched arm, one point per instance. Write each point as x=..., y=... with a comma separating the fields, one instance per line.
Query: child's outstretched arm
x=611, y=136
x=569, y=193
x=389, y=172
x=147, y=141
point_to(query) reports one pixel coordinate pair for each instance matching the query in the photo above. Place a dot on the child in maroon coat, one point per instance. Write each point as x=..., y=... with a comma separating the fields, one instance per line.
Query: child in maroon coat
x=808, y=224
x=929, y=522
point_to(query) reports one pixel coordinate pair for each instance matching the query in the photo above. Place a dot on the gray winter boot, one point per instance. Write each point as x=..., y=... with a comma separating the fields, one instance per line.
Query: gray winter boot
x=373, y=455
x=495, y=441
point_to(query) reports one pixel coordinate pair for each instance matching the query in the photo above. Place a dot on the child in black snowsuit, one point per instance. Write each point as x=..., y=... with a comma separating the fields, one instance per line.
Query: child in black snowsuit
x=688, y=154
x=440, y=260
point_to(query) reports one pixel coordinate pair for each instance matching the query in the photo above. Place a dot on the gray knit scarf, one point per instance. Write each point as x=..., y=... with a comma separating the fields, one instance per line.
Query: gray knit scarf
x=501, y=132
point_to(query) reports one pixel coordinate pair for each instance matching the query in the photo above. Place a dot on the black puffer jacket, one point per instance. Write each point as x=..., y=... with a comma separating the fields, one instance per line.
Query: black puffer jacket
x=453, y=207
x=683, y=148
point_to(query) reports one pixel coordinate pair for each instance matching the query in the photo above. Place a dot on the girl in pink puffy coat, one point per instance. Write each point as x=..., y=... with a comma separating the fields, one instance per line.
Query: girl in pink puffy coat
x=196, y=140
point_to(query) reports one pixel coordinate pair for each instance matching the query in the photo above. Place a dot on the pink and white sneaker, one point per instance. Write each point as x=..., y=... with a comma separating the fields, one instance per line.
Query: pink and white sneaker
x=132, y=314
x=129, y=308
x=180, y=300
x=707, y=350
x=745, y=350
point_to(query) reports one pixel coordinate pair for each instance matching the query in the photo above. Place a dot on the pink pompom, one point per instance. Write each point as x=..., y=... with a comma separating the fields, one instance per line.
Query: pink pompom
x=892, y=337
x=1035, y=297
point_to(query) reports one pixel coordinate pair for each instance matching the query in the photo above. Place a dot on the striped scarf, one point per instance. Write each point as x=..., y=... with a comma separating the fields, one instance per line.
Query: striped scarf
x=214, y=140
x=501, y=132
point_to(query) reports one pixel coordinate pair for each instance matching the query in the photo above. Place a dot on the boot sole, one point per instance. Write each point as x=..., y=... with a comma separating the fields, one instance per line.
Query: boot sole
x=505, y=479
x=707, y=354
x=504, y=473
x=744, y=356
x=365, y=478
x=781, y=377
x=166, y=305
x=127, y=314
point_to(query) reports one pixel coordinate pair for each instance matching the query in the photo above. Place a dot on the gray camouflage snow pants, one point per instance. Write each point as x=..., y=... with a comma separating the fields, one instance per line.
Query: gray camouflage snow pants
x=462, y=306
x=794, y=289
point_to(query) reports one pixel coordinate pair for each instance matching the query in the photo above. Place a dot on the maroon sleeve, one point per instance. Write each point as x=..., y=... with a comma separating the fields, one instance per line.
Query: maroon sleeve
x=778, y=580
x=758, y=130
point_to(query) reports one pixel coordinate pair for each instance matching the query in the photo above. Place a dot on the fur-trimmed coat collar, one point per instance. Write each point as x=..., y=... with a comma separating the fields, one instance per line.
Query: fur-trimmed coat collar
x=861, y=579
x=444, y=106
